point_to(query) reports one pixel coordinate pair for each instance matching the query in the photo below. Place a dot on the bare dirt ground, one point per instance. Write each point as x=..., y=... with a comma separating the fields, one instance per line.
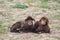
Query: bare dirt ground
x=10, y=15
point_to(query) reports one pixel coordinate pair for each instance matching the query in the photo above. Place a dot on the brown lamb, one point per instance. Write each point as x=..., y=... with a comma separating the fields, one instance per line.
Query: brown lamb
x=42, y=25
x=24, y=26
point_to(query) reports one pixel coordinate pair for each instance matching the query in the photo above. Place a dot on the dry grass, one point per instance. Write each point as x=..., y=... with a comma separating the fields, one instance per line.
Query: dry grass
x=9, y=15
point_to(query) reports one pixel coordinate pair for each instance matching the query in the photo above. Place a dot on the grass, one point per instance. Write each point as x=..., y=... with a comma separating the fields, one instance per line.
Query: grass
x=43, y=1
x=11, y=39
x=22, y=6
x=58, y=7
x=35, y=14
x=51, y=22
x=1, y=1
x=30, y=1
x=9, y=17
x=56, y=17
x=58, y=27
x=1, y=21
x=57, y=1
x=14, y=38
x=43, y=5
x=3, y=30
x=55, y=7
x=9, y=0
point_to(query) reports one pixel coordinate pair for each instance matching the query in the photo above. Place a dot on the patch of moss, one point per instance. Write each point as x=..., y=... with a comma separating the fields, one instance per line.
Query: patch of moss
x=22, y=6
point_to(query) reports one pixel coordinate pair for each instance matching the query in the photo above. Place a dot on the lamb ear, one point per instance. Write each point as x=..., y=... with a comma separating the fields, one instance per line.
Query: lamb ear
x=29, y=18
x=47, y=21
x=33, y=19
x=25, y=19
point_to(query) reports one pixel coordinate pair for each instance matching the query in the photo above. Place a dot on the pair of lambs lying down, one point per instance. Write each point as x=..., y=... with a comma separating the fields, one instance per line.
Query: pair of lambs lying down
x=30, y=25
